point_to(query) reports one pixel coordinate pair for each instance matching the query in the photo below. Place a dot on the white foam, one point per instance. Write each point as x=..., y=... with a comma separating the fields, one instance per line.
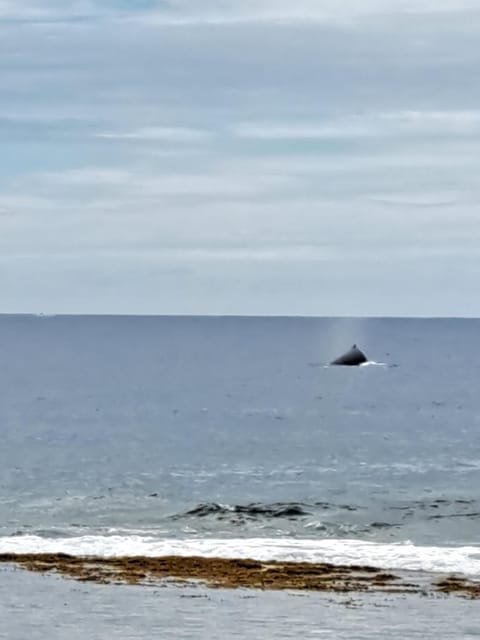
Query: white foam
x=368, y=363
x=372, y=363
x=400, y=556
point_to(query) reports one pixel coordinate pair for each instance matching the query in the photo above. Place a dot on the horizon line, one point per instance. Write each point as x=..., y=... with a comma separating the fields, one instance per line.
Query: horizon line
x=44, y=315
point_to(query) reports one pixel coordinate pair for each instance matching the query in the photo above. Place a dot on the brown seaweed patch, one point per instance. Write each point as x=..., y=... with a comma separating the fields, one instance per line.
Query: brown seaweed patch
x=460, y=586
x=215, y=572
x=234, y=573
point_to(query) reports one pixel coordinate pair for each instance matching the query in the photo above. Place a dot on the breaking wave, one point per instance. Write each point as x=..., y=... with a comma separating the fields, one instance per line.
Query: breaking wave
x=400, y=556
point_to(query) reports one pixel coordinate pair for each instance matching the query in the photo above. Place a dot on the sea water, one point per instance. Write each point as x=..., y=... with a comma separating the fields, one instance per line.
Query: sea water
x=233, y=437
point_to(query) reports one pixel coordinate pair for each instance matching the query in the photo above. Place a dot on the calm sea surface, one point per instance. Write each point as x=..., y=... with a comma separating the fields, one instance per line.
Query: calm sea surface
x=231, y=436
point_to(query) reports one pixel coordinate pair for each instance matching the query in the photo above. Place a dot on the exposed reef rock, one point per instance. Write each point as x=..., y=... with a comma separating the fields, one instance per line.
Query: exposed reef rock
x=253, y=510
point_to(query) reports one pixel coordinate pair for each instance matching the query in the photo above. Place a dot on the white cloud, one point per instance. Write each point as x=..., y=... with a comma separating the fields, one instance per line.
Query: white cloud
x=438, y=123
x=138, y=186
x=161, y=134
x=44, y=10
x=178, y=12
x=57, y=10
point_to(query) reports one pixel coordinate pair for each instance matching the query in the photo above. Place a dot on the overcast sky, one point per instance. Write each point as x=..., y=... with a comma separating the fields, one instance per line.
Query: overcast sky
x=240, y=157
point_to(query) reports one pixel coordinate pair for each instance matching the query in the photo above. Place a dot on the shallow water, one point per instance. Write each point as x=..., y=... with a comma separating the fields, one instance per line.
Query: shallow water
x=35, y=607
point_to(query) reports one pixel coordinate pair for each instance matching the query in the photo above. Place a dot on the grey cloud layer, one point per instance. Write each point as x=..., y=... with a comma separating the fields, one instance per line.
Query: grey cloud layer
x=232, y=157
x=223, y=11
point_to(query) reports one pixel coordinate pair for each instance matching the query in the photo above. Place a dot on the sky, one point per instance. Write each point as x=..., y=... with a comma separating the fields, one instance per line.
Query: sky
x=247, y=157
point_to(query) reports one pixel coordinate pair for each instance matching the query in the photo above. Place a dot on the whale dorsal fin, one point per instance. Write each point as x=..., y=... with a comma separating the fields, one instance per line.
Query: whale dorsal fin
x=352, y=357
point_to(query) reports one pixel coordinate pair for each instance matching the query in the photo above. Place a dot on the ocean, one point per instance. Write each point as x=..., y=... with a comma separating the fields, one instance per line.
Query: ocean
x=232, y=437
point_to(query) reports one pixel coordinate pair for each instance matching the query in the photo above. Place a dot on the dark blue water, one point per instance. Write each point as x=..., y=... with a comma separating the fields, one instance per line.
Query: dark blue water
x=125, y=434
x=175, y=426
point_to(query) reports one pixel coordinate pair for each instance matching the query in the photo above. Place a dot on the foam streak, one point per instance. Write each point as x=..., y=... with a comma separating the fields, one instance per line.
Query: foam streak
x=402, y=556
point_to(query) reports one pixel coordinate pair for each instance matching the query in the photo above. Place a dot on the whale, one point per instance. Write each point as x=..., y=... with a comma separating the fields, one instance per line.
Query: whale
x=352, y=358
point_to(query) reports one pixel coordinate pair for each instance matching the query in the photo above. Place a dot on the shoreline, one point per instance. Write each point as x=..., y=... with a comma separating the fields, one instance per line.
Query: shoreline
x=238, y=573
